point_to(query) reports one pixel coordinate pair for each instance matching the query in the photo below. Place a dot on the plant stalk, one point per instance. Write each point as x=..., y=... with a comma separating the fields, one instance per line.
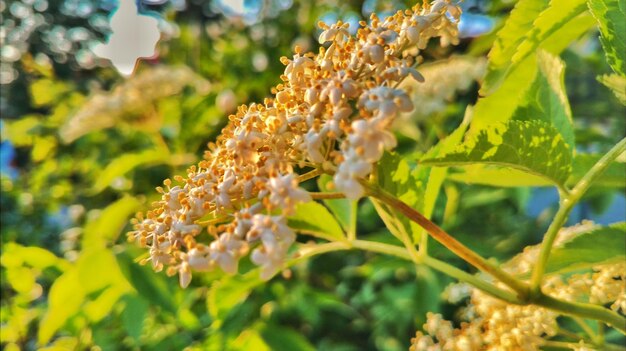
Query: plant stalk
x=448, y=241
x=567, y=203
x=440, y=266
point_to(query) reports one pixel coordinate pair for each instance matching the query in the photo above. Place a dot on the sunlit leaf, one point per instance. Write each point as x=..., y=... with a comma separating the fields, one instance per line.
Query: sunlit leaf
x=434, y=177
x=531, y=23
x=610, y=15
x=21, y=132
x=43, y=147
x=15, y=255
x=500, y=103
x=249, y=339
x=108, y=225
x=546, y=99
x=230, y=291
x=103, y=305
x=509, y=37
x=396, y=177
x=535, y=147
x=124, y=164
x=314, y=219
x=46, y=91
x=613, y=176
x=98, y=269
x=64, y=301
x=343, y=209
x=63, y=343
x=496, y=176
x=22, y=279
x=617, y=84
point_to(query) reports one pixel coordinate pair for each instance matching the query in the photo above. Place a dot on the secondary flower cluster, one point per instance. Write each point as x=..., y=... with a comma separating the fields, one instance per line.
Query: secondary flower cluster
x=445, y=79
x=492, y=324
x=130, y=100
x=331, y=114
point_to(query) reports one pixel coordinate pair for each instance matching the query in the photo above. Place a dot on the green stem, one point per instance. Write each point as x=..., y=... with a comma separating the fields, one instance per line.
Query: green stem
x=561, y=344
x=448, y=241
x=309, y=175
x=586, y=328
x=568, y=201
x=326, y=195
x=440, y=266
x=353, y=220
x=583, y=310
x=401, y=252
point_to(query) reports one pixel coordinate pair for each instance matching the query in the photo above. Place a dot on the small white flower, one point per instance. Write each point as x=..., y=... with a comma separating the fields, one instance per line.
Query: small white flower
x=160, y=255
x=226, y=251
x=372, y=53
x=313, y=142
x=285, y=193
x=338, y=33
x=348, y=174
x=184, y=274
x=369, y=139
x=270, y=261
x=336, y=88
x=198, y=259
x=296, y=68
x=272, y=230
x=386, y=101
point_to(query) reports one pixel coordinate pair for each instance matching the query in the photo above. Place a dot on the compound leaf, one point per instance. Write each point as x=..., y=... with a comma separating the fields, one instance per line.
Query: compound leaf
x=610, y=15
x=535, y=147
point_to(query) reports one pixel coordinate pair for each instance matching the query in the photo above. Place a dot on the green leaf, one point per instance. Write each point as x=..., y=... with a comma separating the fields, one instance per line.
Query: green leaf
x=314, y=219
x=546, y=99
x=108, y=225
x=531, y=23
x=151, y=286
x=15, y=255
x=249, y=339
x=134, y=315
x=535, y=147
x=98, y=269
x=43, y=148
x=598, y=246
x=100, y=307
x=124, y=164
x=617, y=84
x=434, y=177
x=507, y=177
x=500, y=104
x=64, y=301
x=46, y=91
x=231, y=291
x=396, y=177
x=284, y=339
x=610, y=15
x=343, y=209
x=613, y=176
x=509, y=38
x=21, y=132
x=496, y=176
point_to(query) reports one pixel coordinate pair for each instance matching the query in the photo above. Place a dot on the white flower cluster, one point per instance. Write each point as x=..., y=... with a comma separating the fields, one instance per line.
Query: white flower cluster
x=248, y=183
x=131, y=99
x=445, y=78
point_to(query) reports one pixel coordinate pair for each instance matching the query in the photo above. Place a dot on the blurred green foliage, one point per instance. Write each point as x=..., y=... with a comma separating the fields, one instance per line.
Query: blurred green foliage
x=90, y=148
